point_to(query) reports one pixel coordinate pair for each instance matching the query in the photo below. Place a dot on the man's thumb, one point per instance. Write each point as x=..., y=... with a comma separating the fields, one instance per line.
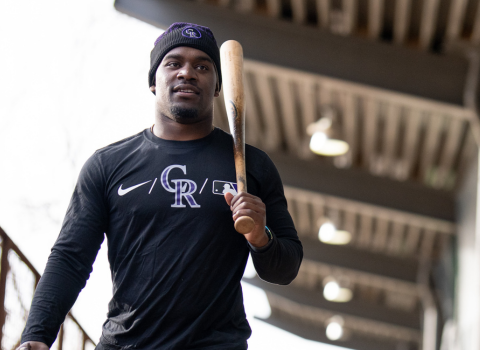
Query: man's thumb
x=228, y=197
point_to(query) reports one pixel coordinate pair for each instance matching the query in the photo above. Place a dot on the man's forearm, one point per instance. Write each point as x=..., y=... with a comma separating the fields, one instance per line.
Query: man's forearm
x=280, y=262
x=54, y=297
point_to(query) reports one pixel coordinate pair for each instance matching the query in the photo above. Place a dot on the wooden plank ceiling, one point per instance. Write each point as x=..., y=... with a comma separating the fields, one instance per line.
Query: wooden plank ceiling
x=424, y=24
x=390, y=134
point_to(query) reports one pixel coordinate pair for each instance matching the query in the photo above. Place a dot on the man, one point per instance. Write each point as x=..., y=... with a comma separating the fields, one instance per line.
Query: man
x=175, y=257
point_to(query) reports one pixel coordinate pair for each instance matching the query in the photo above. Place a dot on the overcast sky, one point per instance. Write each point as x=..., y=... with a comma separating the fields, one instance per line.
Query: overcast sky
x=73, y=78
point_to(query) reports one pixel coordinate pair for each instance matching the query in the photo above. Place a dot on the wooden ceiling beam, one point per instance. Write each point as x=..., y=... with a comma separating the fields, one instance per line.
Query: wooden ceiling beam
x=356, y=308
x=354, y=341
x=355, y=259
x=359, y=185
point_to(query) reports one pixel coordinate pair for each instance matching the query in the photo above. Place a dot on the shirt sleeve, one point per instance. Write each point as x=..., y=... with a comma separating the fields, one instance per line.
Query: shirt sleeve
x=279, y=263
x=70, y=262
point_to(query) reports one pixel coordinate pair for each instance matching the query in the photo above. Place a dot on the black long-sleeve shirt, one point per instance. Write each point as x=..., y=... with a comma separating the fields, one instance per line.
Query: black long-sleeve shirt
x=176, y=260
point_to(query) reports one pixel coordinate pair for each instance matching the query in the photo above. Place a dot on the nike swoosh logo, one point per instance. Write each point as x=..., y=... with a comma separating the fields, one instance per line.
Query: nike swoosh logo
x=124, y=191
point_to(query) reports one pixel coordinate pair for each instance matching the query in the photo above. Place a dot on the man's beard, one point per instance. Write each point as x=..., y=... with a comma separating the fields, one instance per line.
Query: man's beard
x=184, y=115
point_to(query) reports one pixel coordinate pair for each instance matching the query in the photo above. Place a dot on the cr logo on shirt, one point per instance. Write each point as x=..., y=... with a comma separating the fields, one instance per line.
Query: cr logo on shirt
x=183, y=188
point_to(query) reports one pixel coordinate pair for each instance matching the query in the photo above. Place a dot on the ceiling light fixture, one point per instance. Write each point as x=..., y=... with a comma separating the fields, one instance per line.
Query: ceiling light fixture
x=337, y=290
x=328, y=233
x=326, y=139
x=334, y=330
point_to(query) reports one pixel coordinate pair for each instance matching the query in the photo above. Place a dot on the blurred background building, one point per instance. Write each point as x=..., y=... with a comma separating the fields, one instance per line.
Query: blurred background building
x=367, y=107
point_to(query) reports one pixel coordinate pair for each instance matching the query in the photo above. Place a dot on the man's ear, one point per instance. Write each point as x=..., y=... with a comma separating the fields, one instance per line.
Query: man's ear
x=152, y=88
x=217, y=93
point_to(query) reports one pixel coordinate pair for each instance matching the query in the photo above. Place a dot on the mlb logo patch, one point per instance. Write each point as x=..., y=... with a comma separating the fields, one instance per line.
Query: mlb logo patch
x=222, y=187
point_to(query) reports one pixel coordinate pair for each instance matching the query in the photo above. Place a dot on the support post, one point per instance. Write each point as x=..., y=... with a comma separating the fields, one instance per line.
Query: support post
x=60, y=338
x=4, y=268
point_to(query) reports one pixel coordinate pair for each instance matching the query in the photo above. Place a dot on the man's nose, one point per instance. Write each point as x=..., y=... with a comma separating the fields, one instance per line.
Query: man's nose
x=187, y=72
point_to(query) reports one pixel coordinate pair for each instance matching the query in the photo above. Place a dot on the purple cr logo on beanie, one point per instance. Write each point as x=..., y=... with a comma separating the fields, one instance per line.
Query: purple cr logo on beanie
x=191, y=32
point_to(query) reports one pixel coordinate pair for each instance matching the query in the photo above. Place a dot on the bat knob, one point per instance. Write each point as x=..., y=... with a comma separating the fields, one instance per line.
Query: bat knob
x=244, y=224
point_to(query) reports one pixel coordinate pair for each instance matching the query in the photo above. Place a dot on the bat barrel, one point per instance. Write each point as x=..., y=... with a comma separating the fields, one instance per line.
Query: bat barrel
x=231, y=55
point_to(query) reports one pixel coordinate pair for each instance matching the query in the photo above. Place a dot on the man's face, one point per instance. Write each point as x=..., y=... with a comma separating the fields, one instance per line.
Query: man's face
x=186, y=85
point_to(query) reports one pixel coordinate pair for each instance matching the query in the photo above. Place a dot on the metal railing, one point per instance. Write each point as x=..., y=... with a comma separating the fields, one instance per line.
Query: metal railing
x=18, y=280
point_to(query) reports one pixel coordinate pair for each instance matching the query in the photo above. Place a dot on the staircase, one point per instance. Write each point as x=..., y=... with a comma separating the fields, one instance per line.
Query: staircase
x=18, y=280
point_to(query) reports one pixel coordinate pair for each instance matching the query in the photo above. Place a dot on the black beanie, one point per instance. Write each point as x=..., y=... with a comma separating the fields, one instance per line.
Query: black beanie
x=184, y=34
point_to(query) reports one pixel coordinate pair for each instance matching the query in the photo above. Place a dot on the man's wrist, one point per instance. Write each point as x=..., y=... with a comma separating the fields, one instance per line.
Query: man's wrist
x=261, y=242
x=262, y=247
x=264, y=240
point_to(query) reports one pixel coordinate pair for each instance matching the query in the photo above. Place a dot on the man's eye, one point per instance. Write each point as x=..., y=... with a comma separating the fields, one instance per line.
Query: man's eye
x=202, y=67
x=172, y=64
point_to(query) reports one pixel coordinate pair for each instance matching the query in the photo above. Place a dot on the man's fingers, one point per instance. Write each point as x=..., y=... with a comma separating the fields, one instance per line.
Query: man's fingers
x=256, y=207
x=248, y=212
x=241, y=195
x=245, y=204
x=240, y=199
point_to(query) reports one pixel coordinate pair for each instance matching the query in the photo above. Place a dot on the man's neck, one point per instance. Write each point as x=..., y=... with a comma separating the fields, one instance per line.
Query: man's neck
x=168, y=129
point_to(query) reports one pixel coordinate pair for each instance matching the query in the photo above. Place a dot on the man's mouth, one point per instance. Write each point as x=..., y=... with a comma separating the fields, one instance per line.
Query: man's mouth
x=186, y=89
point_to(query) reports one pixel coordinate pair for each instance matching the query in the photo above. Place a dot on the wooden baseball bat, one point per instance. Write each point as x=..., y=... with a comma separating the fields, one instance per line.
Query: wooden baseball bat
x=231, y=56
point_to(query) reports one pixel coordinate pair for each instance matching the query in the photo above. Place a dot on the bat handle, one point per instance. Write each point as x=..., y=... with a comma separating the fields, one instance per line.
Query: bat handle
x=244, y=224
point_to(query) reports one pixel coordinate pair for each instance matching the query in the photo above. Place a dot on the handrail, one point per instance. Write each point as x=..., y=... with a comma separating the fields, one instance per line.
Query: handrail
x=6, y=246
